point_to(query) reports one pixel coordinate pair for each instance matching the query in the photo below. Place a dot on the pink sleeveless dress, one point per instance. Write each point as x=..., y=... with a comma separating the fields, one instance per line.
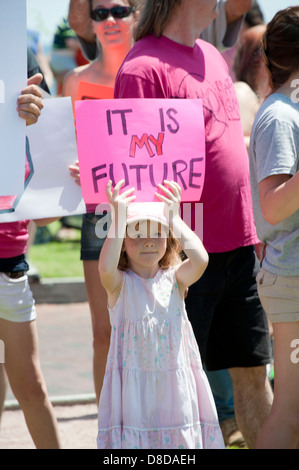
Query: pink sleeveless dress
x=155, y=393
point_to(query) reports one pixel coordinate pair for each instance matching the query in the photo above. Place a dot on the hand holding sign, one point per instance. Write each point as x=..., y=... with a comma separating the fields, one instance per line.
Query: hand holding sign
x=30, y=101
x=143, y=142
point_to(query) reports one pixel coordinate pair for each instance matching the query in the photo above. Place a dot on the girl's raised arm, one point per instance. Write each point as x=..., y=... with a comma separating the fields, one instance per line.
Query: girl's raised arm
x=192, y=268
x=110, y=253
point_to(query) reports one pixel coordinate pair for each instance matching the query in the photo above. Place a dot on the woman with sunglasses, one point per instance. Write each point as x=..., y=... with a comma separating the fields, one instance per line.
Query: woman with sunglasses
x=113, y=22
x=274, y=164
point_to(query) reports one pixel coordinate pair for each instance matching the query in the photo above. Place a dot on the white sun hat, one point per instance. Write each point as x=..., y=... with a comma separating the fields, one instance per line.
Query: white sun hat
x=153, y=211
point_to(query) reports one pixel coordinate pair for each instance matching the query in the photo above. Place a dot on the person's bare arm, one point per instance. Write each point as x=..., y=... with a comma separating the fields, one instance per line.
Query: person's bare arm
x=45, y=221
x=111, y=276
x=279, y=197
x=70, y=85
x=190, y=270
x=236, y=8
x=249, y=105
x=78, y=18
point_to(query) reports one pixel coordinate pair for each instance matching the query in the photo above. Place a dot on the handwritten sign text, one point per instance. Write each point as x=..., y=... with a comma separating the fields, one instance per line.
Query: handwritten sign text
x=143, y=142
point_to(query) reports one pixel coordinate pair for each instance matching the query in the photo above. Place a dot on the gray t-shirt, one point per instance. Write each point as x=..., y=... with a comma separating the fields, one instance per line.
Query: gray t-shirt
x=274, y=149
x=219, y=33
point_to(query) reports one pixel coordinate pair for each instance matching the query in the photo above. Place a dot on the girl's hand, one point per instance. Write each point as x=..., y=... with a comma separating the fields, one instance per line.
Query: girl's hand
x=30, y=101
x=75, y=173
x=171, y=196
x=119, y=201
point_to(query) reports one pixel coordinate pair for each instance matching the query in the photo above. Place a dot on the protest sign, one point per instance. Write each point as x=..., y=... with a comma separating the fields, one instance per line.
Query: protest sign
x=50, y=148
x=144, y=142
x=13, y=78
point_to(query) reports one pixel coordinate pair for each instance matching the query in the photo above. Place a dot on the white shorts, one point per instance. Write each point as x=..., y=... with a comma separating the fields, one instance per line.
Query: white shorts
x=16, y=300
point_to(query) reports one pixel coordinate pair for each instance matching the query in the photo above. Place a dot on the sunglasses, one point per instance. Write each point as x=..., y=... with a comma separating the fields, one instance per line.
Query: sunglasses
x=101, y=14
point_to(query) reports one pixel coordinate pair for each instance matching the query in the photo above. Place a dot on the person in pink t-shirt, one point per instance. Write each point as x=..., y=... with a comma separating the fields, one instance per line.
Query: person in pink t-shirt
x=17, y=310
x=231, y=328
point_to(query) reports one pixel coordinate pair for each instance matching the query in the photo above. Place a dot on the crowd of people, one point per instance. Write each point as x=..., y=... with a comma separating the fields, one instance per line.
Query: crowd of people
x=182, y=327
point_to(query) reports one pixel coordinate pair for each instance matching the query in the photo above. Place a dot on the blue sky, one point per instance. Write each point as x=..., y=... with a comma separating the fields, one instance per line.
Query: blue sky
x=44, y=16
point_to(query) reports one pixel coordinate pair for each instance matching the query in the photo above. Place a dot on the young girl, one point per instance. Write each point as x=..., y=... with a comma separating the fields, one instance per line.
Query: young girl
x=274, y=160
x=155, y=394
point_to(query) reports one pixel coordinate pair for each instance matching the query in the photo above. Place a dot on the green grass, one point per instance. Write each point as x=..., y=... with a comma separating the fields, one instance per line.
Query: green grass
x=56, y=258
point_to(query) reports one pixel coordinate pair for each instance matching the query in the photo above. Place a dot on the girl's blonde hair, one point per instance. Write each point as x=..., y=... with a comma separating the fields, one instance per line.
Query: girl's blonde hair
x=154, y=16
x=171, y=256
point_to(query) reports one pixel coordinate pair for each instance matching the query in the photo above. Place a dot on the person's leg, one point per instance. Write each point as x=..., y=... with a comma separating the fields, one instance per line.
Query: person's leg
x=239, y=340
x=27, y=383
x=2, y=389
x=93, y=231
x=223, y=392
x=281, y=429
x=253, y=398
x=97, y=298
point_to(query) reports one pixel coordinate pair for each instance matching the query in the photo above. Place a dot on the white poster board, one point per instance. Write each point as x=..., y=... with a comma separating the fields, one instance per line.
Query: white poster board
x=13, y=78
x=50, y=191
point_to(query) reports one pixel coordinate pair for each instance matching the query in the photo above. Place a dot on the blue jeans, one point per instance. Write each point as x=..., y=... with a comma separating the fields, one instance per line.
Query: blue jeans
x=222, y=389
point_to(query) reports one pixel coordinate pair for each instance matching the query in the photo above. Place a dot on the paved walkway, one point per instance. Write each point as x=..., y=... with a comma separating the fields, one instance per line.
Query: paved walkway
x=77, y=425
x=65, y=341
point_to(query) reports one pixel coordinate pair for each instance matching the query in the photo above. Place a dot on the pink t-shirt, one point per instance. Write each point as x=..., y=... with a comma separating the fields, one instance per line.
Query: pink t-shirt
x=162, y=68
x=13, y=239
